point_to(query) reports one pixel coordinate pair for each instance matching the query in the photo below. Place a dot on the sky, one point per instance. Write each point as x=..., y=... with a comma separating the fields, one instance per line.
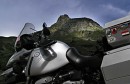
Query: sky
x=15, y=13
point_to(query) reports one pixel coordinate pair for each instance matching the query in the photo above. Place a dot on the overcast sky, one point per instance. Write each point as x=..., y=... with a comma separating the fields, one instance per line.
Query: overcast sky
x=15, y=13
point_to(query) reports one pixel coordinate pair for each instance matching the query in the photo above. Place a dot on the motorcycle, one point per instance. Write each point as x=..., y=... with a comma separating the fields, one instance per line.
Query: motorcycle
x=39, y=60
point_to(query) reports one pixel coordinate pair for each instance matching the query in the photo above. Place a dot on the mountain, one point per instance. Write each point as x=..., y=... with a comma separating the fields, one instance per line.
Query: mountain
x=81, y=33
x=83, y=28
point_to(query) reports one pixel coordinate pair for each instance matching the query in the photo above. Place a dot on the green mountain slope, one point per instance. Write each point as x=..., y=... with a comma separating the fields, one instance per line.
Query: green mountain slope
x=81, y=33
x=6, y=49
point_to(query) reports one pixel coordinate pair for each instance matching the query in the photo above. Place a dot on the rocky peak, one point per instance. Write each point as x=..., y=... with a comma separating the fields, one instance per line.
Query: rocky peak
x=63, y=19
x=78, y=27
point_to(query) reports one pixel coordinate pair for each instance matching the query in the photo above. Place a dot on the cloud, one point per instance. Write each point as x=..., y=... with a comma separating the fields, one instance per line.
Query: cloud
x=111, y=8
x=104, y=11
x=14, y=14
x=109, y=12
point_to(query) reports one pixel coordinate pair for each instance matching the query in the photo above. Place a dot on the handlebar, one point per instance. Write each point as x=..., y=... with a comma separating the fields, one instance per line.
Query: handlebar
x=50, y=43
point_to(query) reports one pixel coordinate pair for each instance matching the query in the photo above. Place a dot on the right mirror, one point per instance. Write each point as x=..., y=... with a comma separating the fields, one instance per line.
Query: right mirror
x=46, y=31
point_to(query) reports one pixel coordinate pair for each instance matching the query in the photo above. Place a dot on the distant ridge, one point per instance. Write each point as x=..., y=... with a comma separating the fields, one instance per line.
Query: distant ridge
x=8, y=36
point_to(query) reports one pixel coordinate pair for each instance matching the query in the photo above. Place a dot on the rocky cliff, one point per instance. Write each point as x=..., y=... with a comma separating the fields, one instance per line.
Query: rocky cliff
x=81, y=33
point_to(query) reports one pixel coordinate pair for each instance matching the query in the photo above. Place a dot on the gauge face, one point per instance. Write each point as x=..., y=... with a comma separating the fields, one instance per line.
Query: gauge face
x=108, y=32
x=114, y=30
x=125, y=32
x=118, y=31
x=111, y=39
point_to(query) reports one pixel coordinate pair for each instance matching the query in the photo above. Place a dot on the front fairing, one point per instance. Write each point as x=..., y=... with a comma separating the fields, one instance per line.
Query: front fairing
x=16, y=56
x=27, y=29
x=6, y=72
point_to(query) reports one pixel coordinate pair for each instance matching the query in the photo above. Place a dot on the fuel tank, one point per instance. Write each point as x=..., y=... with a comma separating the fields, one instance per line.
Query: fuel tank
x=44, y=60
x=16, y=56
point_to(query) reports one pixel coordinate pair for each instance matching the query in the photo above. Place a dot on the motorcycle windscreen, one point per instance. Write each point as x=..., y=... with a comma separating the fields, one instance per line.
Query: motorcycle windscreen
x=28, y=28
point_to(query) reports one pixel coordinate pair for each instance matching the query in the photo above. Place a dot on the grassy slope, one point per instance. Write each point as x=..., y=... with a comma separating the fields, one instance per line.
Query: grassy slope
x=6, y=49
